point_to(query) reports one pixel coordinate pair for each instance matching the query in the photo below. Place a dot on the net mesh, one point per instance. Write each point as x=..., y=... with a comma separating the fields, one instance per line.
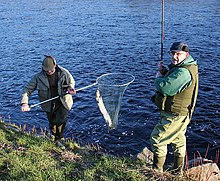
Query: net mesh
x=111, y=88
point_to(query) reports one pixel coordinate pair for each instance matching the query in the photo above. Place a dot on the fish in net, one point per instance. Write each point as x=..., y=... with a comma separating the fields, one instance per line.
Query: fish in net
x=111, y=88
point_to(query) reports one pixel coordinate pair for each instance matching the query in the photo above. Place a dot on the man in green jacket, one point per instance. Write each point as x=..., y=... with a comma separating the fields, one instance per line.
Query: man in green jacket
x=176, y=94
x=52, y=81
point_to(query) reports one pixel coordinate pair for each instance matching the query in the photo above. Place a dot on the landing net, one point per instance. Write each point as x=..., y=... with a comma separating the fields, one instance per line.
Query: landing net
x=111, y=88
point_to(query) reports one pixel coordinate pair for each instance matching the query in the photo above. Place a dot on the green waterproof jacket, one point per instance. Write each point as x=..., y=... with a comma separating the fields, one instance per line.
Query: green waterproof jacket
x=178, y=89
x=40, y=83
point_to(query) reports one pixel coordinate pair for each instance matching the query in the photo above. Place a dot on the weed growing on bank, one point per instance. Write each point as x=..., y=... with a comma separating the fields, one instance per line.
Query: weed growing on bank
x=28, y=157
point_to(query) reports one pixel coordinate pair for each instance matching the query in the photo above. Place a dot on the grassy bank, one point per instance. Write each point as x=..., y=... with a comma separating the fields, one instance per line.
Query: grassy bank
x=28, y=157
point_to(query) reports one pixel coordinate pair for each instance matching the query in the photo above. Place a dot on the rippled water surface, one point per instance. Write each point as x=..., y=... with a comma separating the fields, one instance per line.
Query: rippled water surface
x=93, y=37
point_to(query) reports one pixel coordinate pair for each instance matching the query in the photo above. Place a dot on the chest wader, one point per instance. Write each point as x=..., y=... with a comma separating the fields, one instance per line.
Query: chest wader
x=158, y=163
x=178, y=165
x=182, y=104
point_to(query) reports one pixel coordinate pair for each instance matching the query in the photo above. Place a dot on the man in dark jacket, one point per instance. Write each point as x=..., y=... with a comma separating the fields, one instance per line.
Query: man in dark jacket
x=52, y=81
x=176, y=94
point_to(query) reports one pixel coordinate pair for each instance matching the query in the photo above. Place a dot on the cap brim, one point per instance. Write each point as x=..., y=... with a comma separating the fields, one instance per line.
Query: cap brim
x=47, y=69
x=175, y=50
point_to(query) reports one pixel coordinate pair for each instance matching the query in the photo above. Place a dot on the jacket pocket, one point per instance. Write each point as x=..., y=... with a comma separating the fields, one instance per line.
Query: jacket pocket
x=42, y=92
x=67, y=101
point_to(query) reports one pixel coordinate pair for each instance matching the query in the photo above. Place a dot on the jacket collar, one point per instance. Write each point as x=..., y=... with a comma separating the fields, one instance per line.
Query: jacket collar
x=188, y=61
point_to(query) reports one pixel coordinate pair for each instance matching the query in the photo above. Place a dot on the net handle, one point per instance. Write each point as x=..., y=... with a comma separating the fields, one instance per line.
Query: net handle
x=86, y=87
x=82, y=88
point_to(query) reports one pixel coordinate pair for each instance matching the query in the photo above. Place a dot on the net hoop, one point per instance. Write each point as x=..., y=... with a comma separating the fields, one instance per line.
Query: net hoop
x=115, y=79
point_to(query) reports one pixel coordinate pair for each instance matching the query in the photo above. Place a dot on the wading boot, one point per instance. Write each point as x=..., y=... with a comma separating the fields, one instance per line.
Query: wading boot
x=178, y=165
x=158, y=163
x=60, y=144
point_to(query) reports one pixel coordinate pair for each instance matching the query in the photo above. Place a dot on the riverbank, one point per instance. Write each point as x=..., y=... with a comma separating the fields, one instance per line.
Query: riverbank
x=91, y=39
x=31, y=156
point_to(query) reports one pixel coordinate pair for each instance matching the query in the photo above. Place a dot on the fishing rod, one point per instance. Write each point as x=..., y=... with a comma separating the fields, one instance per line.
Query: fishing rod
x=162, y=32
x=161, y=68
x=34, y=105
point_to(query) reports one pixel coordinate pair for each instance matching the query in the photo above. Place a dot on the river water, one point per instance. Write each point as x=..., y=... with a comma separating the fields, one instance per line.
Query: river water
x=93, y=37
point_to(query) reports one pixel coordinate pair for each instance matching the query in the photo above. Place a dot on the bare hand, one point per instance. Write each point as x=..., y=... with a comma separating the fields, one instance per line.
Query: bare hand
x=161, y=68
x=25, y=108
x=158, y=74
x=71, y=91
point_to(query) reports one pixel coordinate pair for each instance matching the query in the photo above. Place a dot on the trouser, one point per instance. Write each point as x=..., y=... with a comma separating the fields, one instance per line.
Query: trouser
x=57, y=121
x=170, y=130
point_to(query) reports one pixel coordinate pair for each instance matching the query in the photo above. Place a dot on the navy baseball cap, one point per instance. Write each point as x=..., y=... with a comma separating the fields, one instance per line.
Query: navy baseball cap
x=179, y=46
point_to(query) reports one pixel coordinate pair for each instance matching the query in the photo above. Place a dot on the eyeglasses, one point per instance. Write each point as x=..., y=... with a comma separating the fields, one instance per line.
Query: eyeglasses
x=175, y=53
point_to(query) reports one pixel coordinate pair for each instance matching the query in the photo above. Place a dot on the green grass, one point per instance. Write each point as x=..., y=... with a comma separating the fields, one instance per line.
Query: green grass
x=27, y=157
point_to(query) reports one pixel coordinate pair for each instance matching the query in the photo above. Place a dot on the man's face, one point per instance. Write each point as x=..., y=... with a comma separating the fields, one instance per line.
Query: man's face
x=51, y=72
x=178, y=57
